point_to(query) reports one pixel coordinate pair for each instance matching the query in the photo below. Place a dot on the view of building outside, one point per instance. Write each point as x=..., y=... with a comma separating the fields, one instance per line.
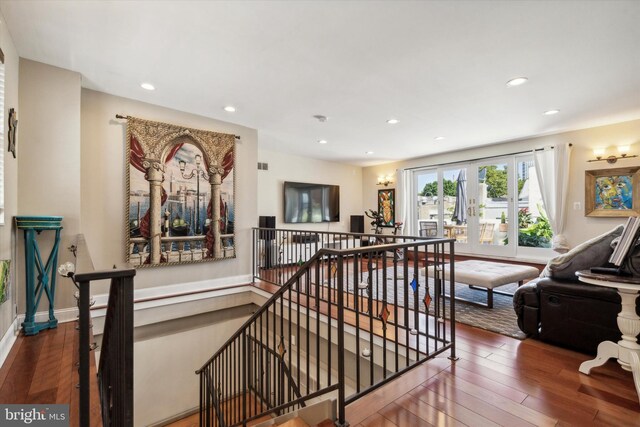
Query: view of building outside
x=492, y=205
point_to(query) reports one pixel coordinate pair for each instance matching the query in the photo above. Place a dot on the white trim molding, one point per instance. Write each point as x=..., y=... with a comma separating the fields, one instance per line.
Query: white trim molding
x=63, y=315
x=8, y=340
x=163, y=303
x=190, y=290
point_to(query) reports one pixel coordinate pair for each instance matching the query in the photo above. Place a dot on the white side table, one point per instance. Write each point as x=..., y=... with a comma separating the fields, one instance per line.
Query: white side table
x=627, y=350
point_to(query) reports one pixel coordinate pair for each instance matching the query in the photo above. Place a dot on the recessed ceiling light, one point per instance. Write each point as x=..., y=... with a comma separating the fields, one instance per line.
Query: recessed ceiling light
x=368, y=153
x=439, y=138
x=551, y=112
x=517, y=81
x=147, y=86
x=230, y=109
x=322, y=141
x=392, y=121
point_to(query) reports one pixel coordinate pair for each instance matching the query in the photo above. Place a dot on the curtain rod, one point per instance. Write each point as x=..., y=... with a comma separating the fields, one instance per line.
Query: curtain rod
x=120, y=116
x=474, y=160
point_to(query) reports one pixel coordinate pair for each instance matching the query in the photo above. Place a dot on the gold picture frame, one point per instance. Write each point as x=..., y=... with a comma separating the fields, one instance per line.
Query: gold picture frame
x=612, y=192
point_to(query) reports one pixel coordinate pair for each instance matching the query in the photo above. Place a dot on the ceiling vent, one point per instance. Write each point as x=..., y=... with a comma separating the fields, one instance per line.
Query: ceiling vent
x=263, y=166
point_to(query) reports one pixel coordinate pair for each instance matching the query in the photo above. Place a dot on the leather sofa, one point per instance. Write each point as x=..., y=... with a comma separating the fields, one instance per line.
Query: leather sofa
x=559, y=309
x=568, y=314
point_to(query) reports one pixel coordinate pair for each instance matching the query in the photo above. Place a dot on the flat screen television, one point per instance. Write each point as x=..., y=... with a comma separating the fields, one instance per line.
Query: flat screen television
x=309, y=203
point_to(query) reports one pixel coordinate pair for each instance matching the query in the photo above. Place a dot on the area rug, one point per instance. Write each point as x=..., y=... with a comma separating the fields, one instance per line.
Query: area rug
x=501, y=318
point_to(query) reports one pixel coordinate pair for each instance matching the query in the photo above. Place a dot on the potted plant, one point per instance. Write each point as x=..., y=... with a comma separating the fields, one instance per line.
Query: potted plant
x=503, y=227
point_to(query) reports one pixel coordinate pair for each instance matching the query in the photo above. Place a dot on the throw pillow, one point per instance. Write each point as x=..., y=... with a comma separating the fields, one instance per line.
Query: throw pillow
x=592, y=253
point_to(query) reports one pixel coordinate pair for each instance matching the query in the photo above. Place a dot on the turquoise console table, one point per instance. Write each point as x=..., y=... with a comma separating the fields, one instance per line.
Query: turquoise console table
x=46, y=273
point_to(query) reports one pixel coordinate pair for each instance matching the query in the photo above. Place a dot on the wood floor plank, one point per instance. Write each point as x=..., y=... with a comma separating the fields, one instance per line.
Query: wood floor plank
x=18, y=381
x=8, y=362
x=548, y=391
x=557, y=408
x=66, y=365
x=402, y=417
x=451, y=408
x=361, y=408
x=377, y=420
x=616, y=419
x=490, y=397
x=427, y=412
x=476, y=405
x=47, y=368
x=488, y=383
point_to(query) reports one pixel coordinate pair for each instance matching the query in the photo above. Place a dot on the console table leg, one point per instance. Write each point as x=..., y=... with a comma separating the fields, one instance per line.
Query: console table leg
x=606, y=350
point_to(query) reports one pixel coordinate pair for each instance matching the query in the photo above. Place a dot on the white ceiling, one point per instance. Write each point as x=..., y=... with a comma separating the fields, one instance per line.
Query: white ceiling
x=438, y=67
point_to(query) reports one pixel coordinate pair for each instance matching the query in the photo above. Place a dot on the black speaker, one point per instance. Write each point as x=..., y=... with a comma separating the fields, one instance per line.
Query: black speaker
x=267, y=222
x=357, y=224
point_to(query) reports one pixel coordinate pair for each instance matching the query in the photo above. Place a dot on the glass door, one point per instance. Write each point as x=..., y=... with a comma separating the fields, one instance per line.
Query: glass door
x=454, y=180
x=428, y=206
x=491, y=206
x=442, y=204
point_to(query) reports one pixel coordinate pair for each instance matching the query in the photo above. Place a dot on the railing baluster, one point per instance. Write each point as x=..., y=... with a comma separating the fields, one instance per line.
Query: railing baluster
x=341, y=355
x=316, y=284
x=356, y=303
x=384, y=308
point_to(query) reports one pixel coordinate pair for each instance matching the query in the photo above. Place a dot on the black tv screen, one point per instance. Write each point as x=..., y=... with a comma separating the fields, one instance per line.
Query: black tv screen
x=311, y=202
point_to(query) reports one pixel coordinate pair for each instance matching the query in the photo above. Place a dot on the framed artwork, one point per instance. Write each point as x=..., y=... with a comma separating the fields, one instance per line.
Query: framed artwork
x=13, y=127
x=387, y=207
x=5, y=268
x=180, y=194
x=612, y=192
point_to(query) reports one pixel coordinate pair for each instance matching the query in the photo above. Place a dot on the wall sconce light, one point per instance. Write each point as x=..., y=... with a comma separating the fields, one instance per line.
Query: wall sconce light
x=600, y=152
x=385, y=180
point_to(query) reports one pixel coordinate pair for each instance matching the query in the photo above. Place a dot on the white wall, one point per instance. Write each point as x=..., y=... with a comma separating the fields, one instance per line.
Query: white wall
x=166, y=357
x=7, y=234
x=103, y=188
x=49, y=160
x=579, y=227
x=286, y=167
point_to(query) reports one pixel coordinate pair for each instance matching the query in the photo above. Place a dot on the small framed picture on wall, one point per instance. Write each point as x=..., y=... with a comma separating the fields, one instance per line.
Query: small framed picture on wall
x=387, y=207
x=612, y=192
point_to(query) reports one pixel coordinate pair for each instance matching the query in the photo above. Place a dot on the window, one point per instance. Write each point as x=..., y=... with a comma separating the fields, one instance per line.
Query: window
x=534, y=230
x=490, y=206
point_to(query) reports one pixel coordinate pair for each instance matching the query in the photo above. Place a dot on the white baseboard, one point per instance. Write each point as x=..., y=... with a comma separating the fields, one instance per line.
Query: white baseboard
x=7, y=341
x=63, y=315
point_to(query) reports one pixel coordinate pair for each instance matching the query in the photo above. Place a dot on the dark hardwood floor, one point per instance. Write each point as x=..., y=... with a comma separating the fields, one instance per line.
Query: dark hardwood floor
x=497, y=381
x=503, y=381
x=42, y=369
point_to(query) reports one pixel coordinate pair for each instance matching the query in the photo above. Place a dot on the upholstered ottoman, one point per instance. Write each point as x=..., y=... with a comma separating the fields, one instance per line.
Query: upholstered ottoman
x=487, y=275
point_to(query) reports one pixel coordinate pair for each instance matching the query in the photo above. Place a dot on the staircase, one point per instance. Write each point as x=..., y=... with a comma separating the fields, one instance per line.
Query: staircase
x=348, y=320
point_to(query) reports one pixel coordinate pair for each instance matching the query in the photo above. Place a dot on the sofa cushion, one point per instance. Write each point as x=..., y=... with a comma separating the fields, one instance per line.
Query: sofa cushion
x=592, y=253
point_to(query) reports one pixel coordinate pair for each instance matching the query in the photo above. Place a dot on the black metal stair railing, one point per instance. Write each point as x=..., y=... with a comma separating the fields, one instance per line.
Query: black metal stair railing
x=268, y=363
x=348, y=319
x=115, y=368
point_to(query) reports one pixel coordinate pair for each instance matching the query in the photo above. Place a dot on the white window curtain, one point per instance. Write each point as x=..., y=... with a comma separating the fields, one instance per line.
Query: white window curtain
x=404, y=207
x=552, y=169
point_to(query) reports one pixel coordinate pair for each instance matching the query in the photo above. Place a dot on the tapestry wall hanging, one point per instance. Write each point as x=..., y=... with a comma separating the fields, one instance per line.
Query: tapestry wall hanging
x=387, y=207
x=612, y=192
x=180, y=188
